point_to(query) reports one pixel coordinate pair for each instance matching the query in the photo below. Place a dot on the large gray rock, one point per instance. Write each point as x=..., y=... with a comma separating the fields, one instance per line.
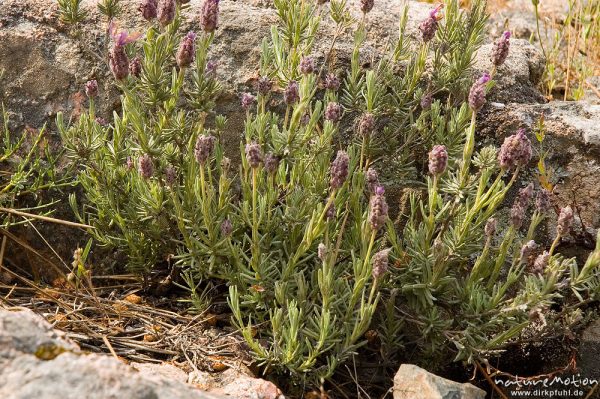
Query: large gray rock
x=412, y=382
x=573, y=145
x=589, y=351
x=38, y=362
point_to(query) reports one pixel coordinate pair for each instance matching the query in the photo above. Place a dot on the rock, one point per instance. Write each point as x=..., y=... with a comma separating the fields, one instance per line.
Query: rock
x=22, y=331
x=592, y=93
x=165, y=370
x=38, y=362
x=517, y=79
x=573, y=145
x=413, y=382
x=237, y=383
x=589, y=351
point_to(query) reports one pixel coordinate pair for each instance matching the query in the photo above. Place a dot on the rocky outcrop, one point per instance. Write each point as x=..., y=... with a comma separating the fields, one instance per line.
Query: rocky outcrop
x=39, y=362
x=413, y=382
x=46, y=64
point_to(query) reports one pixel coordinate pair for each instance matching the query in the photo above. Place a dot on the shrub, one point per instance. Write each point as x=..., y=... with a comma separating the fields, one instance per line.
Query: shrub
x=301, y=232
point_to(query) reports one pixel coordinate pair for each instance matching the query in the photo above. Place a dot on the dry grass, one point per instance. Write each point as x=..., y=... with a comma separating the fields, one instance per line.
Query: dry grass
x=113, y=317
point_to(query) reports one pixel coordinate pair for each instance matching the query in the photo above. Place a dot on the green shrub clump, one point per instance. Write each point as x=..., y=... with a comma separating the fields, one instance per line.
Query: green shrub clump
x=300, y=229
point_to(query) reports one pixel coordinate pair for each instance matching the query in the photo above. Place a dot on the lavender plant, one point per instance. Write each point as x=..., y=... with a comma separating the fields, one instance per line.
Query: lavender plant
x=300, y=246
x=129, y=168
x=301, y=231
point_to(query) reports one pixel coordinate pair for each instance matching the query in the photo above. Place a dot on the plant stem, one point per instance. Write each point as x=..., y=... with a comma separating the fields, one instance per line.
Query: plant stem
x=554, y=244
x=537, y=23
x=468, y=151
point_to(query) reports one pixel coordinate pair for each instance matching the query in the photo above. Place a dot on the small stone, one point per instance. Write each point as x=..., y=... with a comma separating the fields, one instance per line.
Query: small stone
x=412, y=382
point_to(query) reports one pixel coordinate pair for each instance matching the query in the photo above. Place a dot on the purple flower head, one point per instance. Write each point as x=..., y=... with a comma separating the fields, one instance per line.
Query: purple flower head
x=291, y=94
x=426, y=101
x=380, y=263
x=118, y=62
x=254, y=155
x=438, y=160
x=117, y=58
x=339, y=169
x=129, y=163
x=307, y=65
x=541, y=262
x=148, y=9
x=490, y=227
x=366, y=5
x=135, y=67
x=271, y=163
x=145, y=166
x=372, y=178
x=330, y=212
x=91, y=88
x=247, y=101
x=332, y=82
x=378, y=209
x=542, y=201
x=500, y=49
x=333, y=112
x=565, y=221
x=517, y=214
x=209, y=15
x=205, y=146
x=515, y=151
x=170, y=175
x=528, y=249
x=165, y=12
x=187, y=50
x=525, y=195
x=366, y=124
x=226, y=228
x=477, y=92
x=430, y=25
x=264, y=85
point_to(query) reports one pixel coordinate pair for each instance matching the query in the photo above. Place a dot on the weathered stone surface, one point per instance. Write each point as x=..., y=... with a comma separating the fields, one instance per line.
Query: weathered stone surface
x=589, y=351
x=23, y=332
x=165, y=370
x=413, y=382
x=235, y=382
x=46, y=66
x=38, y=362
x=573, y=143
x=516, y=79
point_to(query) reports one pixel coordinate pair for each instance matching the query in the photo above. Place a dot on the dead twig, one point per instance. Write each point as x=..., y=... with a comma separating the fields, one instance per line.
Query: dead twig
x=45, y=218
x=489, y=380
